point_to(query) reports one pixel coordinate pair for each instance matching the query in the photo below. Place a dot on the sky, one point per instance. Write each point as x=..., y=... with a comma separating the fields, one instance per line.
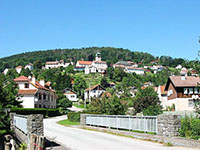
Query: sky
x=170, y=27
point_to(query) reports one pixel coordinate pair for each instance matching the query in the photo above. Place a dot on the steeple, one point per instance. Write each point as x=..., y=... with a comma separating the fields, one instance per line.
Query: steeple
x=98, y=56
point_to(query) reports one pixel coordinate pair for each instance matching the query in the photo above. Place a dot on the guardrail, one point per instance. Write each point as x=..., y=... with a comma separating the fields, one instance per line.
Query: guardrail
x=138, y=123
x=20, y=122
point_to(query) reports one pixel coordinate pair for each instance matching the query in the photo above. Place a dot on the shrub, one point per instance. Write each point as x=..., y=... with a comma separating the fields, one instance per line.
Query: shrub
x=28, y=111
x=74, y=116
x=190, y=128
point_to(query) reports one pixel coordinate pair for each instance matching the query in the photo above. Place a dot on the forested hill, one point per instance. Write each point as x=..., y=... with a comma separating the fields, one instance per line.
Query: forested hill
x=109, y=54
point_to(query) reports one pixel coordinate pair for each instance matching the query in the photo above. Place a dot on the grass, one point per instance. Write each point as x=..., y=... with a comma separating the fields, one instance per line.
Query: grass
x=80, y=106
x=168, y=144
x=67, y=122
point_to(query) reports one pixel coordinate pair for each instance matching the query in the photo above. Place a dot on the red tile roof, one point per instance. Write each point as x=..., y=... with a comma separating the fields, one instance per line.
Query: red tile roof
x=21, y=78
x=27, y=92
x=93, y=87
x=18, y=67
x=52, y=62
x=81, y=62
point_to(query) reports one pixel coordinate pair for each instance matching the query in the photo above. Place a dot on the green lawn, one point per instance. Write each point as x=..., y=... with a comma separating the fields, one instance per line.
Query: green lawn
x=68, y=123
x=80, y=106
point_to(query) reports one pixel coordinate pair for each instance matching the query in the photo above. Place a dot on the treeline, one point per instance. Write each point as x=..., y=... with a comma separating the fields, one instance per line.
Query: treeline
x=109, y=54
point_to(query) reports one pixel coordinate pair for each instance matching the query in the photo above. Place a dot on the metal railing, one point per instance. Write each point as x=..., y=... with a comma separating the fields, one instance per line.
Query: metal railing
x=138, y=123
x=20, y=122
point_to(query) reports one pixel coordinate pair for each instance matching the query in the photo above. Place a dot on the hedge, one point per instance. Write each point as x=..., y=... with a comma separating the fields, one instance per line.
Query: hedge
x=28, y=111
x=190, y=128
x=75, y=116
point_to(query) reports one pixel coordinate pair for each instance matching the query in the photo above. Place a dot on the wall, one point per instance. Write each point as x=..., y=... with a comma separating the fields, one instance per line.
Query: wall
x=181, y=104
x=28, y=101
x=168, y=125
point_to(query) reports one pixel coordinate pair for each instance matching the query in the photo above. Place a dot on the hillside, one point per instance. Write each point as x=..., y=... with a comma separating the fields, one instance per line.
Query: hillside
x=109, y=54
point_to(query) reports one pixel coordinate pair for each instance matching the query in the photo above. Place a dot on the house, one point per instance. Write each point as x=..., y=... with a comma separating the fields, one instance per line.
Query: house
x=178, y=67
x=122, y=64
x=29, y=66
x=90, y=69
x=5, y=71
x=182, y=91
x=56, y=64
x=93, y=92
x=139, y=71
x=162, y=94
x=82, y=63
x=70, y=94
x=18, y=69
x=34, y=94
x=79, y=68
x=184, y=72
x=156, y=68
x=147, y=84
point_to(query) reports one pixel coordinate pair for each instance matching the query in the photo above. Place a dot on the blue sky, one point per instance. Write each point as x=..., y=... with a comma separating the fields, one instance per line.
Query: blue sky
x=159, y=27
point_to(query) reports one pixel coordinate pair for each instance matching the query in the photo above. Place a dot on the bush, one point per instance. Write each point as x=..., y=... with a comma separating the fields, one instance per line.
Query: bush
x=28, y=111
x=74, y=116
x=190, y=128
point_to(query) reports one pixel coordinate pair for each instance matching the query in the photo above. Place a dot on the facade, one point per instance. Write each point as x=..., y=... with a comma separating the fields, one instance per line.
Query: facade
x=139, y=71
x=162, y=94
x=35, y=94
x=18, y=69
x=93, y=92
x=55, y=64
x=29, y=66
x=71, y=95
x=5, y=71
x=182, y=91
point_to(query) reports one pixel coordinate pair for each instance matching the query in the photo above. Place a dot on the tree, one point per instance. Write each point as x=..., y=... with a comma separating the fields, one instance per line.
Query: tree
x=37, y=64
x=25, y=72
x=104, y=82
x=62, y=102
x=146, y=100
x=79, y=85
x=109, y=106
x=70, y=69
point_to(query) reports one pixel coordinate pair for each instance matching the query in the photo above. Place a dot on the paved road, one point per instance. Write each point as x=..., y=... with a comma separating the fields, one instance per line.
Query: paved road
x=80, y=139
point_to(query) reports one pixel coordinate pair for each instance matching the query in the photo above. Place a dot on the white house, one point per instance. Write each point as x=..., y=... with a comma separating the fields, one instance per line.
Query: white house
x=71, y=95
x=139, y=71
x=34, y=94
x=18, y=69
x=82, y=63
x=162, y=94
x=179, y=67
x=56, y=64
x=93, y=92
x=90, y=69
x=99, y=64
x=5, y=71
x=29, y=66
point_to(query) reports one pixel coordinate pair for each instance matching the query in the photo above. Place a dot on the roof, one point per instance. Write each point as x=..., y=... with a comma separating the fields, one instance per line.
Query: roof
x=93, y=87
x=190, y=81
x=162, y=89
x=134, y=68
x=81, y=62
x=70, y=91
x=27, y=92
x=37, y=84
x=21, y=78
x=106, y=94
x=18, y=67
x=52, y=62
x=125, y=63
x=99, y=62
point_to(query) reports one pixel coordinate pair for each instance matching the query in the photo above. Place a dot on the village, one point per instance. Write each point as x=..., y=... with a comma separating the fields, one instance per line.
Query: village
x=179, y=92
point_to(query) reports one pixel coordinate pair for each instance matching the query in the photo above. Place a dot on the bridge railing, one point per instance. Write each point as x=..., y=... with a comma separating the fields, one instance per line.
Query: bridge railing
x=138, y=123
x=20, y=122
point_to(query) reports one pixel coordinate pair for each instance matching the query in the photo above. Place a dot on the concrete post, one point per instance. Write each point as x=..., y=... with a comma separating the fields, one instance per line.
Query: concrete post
x=83, y=119
x=168, y=125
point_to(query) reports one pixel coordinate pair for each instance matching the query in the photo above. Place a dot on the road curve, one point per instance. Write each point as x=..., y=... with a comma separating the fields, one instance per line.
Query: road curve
x=80, y=139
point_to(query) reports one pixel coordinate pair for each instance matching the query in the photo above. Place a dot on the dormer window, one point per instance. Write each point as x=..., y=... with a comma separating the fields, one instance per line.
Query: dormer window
x=26, y=85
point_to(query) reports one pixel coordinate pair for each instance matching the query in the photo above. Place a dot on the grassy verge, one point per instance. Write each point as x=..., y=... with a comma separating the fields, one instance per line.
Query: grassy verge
x=68, y=123
x=79, y=106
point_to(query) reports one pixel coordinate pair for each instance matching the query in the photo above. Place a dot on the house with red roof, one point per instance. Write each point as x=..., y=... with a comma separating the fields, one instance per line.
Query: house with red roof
x=70, y=94
x=35, y=94
x=56, y=64
x=182, y=91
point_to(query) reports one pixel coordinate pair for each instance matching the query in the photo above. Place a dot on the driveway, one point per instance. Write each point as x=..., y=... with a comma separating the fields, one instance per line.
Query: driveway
x=80, y=139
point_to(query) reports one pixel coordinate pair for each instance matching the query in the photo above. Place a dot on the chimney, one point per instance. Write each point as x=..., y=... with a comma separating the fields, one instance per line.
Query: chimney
x=42, y=82
x=33, y=80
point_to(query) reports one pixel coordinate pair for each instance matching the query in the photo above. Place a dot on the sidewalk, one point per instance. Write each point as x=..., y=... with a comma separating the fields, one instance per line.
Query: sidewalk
x=176, y=141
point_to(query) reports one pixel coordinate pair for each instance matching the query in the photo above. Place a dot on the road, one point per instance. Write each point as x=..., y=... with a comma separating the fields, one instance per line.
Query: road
x=80, y=139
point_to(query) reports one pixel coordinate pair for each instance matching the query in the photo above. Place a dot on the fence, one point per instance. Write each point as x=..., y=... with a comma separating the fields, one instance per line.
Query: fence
x=20, y=122
x=138, y=123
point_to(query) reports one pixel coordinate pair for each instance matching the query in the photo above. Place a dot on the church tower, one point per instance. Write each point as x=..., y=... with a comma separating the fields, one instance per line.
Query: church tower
x=98, y=56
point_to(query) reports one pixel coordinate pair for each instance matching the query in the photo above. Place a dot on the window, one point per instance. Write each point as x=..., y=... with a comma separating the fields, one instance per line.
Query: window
x=72, y=96
x=40, y=97
x=26, y=85
x=170, y=92
x=190, y=90
x=190, y=103
x=196, y=90
x=44, y=96
x=185, y=90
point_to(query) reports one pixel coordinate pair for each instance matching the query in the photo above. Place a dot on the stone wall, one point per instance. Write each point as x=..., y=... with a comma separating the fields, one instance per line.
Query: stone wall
x=168, y=125
x=83, y=119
